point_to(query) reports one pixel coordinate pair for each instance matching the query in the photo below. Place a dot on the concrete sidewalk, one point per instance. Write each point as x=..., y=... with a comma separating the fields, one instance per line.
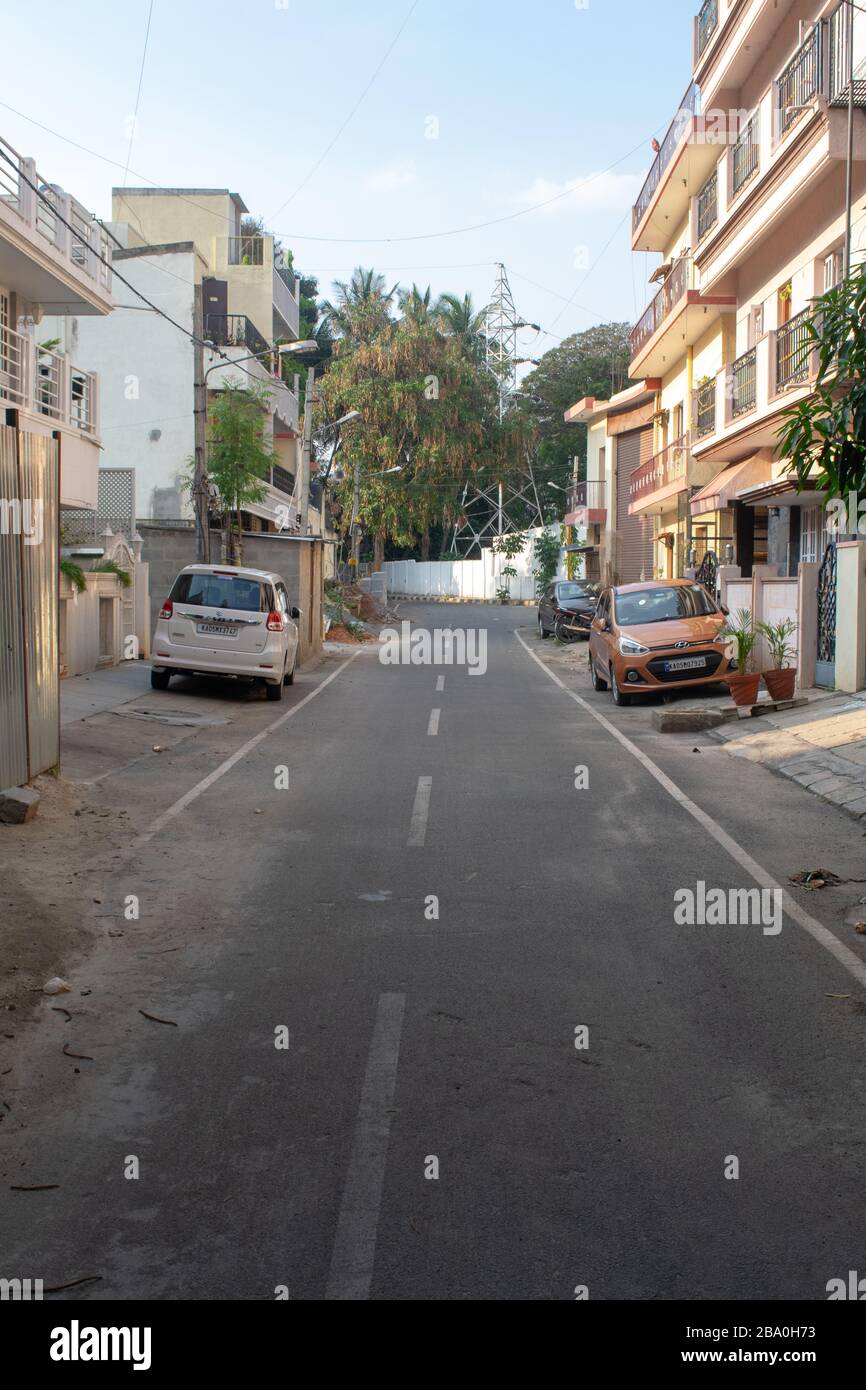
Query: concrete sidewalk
x=822, y=747
x=81, y=696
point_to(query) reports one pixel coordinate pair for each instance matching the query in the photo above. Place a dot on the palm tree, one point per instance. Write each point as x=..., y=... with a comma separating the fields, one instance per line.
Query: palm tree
x=361, y=308
x=460, y=319
x=416, y=306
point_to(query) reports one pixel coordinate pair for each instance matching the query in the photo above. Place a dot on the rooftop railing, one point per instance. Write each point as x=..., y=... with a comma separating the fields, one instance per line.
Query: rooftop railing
x=708, y=23
x=687, y=108
x=55, y=216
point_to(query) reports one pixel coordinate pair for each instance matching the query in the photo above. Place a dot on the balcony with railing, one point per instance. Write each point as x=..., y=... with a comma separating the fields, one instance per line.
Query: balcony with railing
x=587, y=503
x=260, y=282
x=660, y=478
x=38, y=381
x=799, y=83
x=704, y=408
x=744, y=383
x=683, y=162
x=794, y=346
x=839, y=56
x=743, y=404
x=708, y=206
x=674, y=320
x=52, y=251
x=237, y=331
x=745, y=155
x=706, y=24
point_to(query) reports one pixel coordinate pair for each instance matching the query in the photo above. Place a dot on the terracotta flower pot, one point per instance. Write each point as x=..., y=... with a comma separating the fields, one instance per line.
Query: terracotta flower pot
x=744, y=687
x=781, y=683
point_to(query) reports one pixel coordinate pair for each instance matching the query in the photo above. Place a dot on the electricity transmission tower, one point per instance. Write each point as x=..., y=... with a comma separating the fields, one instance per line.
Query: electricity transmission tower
x=509, y=504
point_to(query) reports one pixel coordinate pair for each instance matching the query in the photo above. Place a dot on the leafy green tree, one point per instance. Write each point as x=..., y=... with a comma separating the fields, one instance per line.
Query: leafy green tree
x=827, y=431
x=239, y=456
x=593, y=363
x=428, y=426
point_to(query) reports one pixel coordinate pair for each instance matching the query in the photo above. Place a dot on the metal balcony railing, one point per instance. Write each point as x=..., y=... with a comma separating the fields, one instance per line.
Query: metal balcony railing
x=246, y=250
x=45, y=383
x=283, y=480
x=704, y=408
x=235, y=330
x=708, y=205
x=591, y=494
x=708, y=23
x=668, y=297
x=839, y=61
x=661, y=470
x=794, y=345
x=800, y=82
x=744, y=383
x=745, y=154
x=687, y=108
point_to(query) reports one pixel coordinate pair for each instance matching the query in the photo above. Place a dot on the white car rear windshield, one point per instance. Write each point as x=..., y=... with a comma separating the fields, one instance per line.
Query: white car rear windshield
x=221, y=591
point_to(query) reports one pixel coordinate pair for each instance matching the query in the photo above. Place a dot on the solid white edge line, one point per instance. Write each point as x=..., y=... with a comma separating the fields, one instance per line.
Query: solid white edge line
x=354, y=1251
x=420, y=812
x=433, y=726
x=843, y=954
x=162, y=821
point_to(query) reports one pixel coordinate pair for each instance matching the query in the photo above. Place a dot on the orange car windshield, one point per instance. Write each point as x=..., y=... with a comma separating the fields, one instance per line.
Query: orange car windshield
x=664, y=605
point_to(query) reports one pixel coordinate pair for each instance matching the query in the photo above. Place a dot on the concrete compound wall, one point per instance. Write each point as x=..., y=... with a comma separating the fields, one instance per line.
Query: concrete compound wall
x=168, y=548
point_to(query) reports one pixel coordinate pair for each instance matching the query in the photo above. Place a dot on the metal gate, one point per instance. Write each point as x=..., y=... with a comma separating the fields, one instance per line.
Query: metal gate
x=825, y=669
x=29, y=675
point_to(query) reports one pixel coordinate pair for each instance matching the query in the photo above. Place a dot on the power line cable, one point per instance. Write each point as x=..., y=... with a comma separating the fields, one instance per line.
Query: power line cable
x=138, y=94
x=320, y=161
x=290, y=237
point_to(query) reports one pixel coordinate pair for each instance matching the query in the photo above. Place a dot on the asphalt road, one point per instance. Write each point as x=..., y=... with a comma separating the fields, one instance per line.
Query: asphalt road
x=420, y=1046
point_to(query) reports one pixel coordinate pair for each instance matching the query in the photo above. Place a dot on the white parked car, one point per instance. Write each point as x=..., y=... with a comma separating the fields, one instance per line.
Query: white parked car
x=220, y=620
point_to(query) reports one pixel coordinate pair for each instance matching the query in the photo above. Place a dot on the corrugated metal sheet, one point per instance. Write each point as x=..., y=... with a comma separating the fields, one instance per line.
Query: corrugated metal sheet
x=13, y=709
x=636, y=544
x=39, y=468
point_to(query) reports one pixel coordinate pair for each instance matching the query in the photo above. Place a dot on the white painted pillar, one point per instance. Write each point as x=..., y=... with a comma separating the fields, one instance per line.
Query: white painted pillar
x=851, y=615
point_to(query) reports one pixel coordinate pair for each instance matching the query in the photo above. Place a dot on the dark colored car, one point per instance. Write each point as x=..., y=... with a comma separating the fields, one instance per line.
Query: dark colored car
x=566, y=609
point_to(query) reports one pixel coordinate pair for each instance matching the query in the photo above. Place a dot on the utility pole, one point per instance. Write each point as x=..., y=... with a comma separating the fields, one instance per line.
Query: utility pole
x=200, y=491
x=306, y=451
x=849, y=170
x=356, y=522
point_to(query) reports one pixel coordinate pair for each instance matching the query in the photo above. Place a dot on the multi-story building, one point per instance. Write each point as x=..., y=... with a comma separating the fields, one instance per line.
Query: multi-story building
x=185, y=251
x=53, y=262
x=618, y=545
x=746, y=205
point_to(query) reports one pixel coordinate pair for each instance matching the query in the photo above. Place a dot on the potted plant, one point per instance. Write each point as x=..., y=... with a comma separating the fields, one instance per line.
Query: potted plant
x=741, y=634
x=781, y=679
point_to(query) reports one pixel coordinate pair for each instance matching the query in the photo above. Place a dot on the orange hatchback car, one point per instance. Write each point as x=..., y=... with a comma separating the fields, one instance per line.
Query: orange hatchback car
x=656, y=637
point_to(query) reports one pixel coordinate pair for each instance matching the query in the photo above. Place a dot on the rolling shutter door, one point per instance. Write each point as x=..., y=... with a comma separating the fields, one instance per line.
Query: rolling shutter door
x=633, y=448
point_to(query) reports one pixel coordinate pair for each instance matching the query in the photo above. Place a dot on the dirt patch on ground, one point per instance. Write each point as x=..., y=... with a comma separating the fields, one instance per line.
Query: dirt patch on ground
x=338, y=632
x=48, y=916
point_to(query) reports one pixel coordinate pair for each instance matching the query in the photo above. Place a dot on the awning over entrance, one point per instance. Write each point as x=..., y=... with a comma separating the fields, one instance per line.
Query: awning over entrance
x=723, y=489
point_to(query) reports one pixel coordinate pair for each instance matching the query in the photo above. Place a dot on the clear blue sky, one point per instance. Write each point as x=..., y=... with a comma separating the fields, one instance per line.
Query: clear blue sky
x=248, y=94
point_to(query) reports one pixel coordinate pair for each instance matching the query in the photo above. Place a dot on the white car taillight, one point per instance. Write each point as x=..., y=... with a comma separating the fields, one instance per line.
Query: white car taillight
x=275, y=622
x=167, y=609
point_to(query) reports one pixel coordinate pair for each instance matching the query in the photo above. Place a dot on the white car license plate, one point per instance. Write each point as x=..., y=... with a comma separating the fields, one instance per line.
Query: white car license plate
x=215, y=630
x=686, y=663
